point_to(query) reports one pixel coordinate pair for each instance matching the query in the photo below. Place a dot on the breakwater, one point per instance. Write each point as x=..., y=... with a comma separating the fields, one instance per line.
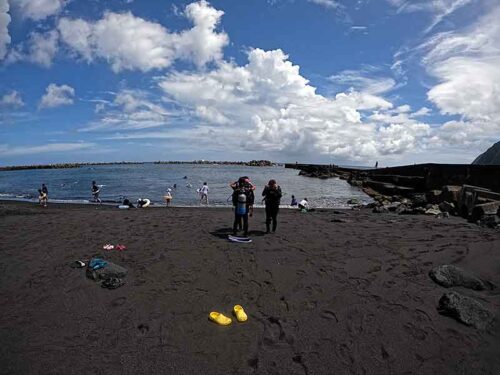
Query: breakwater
x=251, y=163
x=419, y=177
x=472, y=191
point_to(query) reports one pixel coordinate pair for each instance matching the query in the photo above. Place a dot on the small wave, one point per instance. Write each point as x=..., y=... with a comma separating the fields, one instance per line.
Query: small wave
x=19, y=196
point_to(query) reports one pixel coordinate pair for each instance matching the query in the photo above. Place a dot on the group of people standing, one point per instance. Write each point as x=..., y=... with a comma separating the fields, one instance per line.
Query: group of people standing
x=243, y=200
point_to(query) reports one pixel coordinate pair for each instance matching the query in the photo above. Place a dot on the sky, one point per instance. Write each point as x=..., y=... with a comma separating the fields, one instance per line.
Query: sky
x=348, y=82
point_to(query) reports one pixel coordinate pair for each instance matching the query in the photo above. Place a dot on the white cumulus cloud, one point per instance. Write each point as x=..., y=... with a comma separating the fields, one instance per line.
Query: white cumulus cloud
x=77, y=35
x=326, y=3
x=39, y=49
x=201, y=43
x=130, y=110
x=128, y=42
x=40, y=9
x=12, y=99
x=268, y=105
x=56, y=96
x=4, y=27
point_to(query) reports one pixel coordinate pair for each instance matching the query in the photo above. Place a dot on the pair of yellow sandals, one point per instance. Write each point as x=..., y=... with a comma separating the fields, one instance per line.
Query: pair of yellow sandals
x=223, y=320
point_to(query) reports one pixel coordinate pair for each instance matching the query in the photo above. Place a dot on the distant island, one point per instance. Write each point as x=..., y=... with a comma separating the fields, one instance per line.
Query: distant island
x=251, y=163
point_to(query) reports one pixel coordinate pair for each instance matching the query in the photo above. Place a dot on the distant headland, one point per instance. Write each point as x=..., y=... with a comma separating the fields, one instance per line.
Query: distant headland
x=251, y=163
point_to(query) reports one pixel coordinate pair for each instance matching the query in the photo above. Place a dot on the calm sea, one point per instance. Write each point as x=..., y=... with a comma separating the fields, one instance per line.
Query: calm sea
x=151, y=181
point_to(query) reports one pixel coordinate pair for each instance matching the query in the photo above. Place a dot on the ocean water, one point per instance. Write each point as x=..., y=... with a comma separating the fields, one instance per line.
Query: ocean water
x=151, y=181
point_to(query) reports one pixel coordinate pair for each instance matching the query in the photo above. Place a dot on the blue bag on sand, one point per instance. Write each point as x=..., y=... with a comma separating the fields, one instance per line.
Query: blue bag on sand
x=96, y=263
x=100, y=269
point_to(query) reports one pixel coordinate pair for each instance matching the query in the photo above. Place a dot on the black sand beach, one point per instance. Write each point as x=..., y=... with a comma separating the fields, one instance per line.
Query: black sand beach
x=332, y=292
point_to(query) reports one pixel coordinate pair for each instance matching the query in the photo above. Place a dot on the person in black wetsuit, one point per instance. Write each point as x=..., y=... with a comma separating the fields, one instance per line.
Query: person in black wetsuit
x=251, y=196
x=127, y=202
x=272, y=196
x=95, y=192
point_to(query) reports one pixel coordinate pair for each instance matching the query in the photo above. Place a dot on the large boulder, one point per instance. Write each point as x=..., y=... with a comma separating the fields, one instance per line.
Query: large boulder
x=393, y=206
x=472, y=196
x=481, y=210
x=411, y=211
x=465, y=309
x=490, y=221
x=419, y=200
x=401, y=209
x=380, y=210
x=448, y=276
x=433, y=196
x=451, y=193
x=433, y=210
x=447, y=207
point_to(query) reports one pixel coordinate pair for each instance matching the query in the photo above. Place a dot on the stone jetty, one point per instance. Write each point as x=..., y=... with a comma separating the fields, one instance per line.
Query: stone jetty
x=471, y=191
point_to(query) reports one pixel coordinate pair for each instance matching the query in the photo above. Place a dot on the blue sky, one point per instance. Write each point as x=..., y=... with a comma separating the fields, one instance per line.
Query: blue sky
x=347, y=82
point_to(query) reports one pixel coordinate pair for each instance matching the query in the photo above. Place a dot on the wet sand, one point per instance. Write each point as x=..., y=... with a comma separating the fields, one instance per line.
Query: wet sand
x=323, y=296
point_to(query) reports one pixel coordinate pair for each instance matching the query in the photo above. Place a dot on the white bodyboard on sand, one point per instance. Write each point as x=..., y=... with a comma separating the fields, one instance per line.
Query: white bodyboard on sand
x=239, y=239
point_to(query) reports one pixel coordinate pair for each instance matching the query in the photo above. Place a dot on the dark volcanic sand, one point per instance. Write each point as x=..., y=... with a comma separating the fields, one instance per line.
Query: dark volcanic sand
x=323, y=297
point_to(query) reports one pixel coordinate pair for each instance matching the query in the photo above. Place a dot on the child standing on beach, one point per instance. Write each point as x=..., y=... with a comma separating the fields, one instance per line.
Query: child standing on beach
x=42, y=198
x=168, y=197
x=304, y=205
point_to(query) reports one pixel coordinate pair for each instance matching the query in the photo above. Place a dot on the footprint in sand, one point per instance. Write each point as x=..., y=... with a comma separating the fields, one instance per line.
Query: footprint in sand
x=274, y=332
x=384, y=352
x=330, y=315
x=284, y=303
x=143, y=328
x=253, y=363
x=415, y=331
x=118, y=301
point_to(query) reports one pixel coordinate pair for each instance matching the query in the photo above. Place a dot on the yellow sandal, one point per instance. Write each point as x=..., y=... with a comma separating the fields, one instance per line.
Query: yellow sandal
x=241, y=316
x=220, y=318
